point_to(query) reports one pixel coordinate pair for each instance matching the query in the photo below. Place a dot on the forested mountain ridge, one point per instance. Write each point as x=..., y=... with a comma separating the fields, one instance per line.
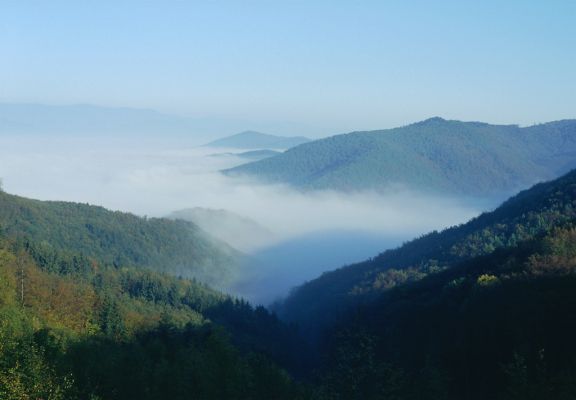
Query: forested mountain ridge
x=121, y=239
x=434, y=155
x=526, y=216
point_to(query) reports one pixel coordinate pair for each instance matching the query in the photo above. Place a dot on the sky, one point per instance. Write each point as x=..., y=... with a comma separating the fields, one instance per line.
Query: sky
x=328, y=66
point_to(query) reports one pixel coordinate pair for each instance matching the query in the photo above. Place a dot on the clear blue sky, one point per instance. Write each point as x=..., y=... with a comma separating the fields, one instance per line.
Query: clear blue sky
x=330, y=65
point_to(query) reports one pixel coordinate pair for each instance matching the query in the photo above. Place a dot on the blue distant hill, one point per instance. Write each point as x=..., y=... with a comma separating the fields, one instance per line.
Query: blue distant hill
x=250, y=155
x=258, y=140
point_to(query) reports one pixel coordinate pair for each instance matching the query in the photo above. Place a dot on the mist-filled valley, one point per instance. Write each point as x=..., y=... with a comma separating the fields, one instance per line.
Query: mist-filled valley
x=288, y=236
x=134, y=247
x=287, y=200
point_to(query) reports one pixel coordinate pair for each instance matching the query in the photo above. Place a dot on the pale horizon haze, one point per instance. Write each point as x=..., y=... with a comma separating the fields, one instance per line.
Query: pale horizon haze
x=311, y=68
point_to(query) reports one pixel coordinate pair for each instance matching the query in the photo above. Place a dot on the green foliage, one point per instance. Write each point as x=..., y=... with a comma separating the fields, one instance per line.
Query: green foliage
x=487, y=280
x=25, y=372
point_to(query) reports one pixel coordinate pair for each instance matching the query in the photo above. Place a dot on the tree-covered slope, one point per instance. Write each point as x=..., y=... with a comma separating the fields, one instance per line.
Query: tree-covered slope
x=122, y=239
x=71, y=328
x=524, y=217
x=258, y=140
x=434, y=155
x=499, y=326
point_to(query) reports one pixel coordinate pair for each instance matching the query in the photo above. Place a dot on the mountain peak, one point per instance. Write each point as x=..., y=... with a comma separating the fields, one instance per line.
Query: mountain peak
x=432, y=120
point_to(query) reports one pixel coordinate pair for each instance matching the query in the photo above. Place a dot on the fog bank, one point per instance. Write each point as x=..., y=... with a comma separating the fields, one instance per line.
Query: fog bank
x=158, y=177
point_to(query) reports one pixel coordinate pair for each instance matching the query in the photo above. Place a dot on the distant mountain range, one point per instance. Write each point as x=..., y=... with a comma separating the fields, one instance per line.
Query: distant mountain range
x=435, y=155
x=258, y=140
x=82, y=119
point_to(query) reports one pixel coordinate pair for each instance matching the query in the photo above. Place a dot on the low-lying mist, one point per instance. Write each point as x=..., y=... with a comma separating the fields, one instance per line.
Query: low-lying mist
x=308, y=232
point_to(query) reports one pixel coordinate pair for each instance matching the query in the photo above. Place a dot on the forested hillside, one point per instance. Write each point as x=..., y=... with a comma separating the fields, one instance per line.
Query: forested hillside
x=482, y=310
x=120, y=239
x=435, y=155
x=74, y=327
x=499, y=326
x=524, y=217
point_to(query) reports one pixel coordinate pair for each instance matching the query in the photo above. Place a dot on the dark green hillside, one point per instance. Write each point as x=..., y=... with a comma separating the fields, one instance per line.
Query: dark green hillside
x=485, y=310
x=435, y=155
x=121, y=239
x=529, y=215
x=500, y=326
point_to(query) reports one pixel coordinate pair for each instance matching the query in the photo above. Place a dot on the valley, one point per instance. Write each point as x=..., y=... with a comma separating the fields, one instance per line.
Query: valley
x=255, y=273
x=287, y=200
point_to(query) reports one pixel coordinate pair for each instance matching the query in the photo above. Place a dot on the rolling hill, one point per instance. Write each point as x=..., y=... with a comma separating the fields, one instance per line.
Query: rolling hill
x=257, y=140
x=435, y=155
x=121, y=239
